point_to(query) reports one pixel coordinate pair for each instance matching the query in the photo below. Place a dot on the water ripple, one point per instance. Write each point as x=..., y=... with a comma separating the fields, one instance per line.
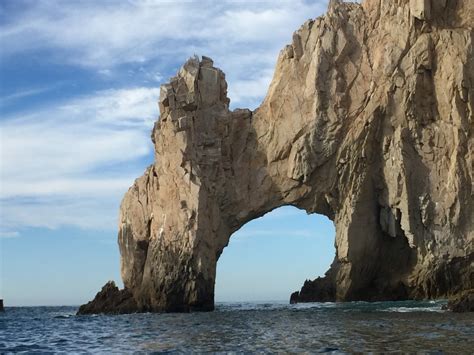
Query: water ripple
x=244, y=327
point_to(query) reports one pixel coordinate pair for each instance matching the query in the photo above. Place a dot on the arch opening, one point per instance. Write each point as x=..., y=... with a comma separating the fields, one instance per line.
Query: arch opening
x=271, y=256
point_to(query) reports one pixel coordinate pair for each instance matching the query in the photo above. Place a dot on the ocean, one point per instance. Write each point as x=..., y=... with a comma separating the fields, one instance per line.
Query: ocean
x=245, y=327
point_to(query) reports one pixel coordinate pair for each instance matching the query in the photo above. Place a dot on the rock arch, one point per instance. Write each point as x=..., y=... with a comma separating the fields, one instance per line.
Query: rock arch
x=368, y=120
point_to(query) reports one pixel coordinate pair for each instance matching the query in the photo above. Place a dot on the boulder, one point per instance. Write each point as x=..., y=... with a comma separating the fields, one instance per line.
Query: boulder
x=110, y=300
x=463, y=302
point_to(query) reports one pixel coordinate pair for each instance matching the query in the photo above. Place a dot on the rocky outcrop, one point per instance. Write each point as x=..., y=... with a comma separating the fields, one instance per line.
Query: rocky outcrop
x=368, y=120
x=463, y=302
x=110, y=300
x=322, y=289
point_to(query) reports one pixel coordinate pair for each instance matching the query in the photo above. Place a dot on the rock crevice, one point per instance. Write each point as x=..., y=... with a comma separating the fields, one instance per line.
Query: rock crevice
x=368, y=120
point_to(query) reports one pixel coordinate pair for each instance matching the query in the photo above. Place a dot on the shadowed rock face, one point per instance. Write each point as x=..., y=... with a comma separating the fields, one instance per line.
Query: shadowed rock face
x=462, y=302
x=110, y=300
x=368, y=120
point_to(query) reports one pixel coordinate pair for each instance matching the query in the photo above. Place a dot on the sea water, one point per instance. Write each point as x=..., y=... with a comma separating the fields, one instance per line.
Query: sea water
x=245, y=327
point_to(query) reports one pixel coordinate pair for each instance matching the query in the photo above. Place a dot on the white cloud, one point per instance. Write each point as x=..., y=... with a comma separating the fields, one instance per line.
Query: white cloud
x=250, y=90
x=90, y=187
x=57, y=155
x=22, y=94
x=105, y=72
x=51, y=212
x=104, y=33
x=82, y=134
x=4, y=234
x=244, y=38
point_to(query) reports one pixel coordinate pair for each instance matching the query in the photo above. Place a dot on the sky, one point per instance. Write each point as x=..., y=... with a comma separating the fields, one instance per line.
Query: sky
x=79, y=82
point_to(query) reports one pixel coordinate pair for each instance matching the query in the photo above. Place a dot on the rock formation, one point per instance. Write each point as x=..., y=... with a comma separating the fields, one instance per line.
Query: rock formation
x=462, y=302
x=110, y=300
x=368, y=120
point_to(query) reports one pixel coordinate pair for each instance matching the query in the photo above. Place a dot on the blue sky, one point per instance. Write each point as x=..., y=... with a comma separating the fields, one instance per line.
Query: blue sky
x=79, y=82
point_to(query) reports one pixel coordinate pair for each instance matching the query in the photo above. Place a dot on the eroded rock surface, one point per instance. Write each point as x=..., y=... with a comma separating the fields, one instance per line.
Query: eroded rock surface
x=110, y=300
x=368, y=120
x=463, y=302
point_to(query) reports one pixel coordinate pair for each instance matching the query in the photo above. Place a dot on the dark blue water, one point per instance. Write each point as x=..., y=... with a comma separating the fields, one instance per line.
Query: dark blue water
x=244, y=327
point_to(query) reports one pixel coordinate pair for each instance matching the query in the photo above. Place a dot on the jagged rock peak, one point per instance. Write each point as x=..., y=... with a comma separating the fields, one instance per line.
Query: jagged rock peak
x=368, y=120
x=197, y=85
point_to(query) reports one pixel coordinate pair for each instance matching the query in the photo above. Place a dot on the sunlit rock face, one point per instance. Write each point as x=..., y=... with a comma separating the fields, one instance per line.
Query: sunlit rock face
x=368, y=120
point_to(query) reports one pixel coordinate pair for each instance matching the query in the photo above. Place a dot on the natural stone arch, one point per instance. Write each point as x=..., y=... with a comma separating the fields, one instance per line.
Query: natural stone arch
x=368, y=120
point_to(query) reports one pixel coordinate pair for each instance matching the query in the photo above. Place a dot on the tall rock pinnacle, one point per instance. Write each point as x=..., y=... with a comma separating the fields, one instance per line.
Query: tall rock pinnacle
x=368, y=120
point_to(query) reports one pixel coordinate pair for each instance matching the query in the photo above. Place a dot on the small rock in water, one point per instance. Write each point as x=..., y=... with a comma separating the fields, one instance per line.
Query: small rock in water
x=463, y=302
x=328, y=350
x=110, y=300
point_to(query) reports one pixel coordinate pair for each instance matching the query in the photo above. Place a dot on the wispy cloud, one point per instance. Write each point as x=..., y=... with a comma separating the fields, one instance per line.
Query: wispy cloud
x=251, y=90
x=78, y=151
x=99, y=213
x=79, y=134
x=101, y=34
x=22, y=94
x=243, y=37
x=4, y=234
